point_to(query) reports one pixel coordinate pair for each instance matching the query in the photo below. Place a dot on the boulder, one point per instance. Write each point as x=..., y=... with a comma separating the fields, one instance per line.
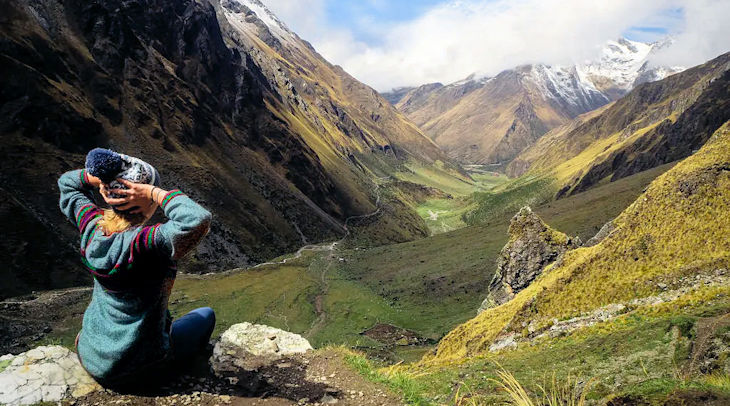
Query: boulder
x=264, y=341
x=531, y=247
x=248, y=354
x=43, y=374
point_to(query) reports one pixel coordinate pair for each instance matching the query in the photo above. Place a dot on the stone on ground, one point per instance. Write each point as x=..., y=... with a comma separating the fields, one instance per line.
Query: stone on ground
x=252, y=346
x=43, y=374
x=261, y=340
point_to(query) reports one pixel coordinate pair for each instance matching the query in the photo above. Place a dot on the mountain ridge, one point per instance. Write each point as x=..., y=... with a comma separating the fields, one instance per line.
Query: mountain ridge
x=278, y=163
x=472, y=122
x=633, y=133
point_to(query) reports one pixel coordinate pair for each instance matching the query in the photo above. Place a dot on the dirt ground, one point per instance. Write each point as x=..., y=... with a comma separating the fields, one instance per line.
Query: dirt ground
x=317, y=378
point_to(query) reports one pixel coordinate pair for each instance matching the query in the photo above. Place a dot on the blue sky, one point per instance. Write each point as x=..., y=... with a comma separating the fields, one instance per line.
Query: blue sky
x=391, y=43
x=359, y=15
x=666, y=22
x=356, y=14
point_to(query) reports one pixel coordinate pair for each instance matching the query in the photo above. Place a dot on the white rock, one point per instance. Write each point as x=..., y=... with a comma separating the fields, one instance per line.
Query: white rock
x=507, y=342
x=43, y=374
x=35, y=353
x=258, y=340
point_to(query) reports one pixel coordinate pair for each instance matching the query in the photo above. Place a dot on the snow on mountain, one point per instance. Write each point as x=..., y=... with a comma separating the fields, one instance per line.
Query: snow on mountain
x=567, y=86
x=472, y=79
x=620, y=62
x=624, y=64
x=276, y=26
x=252, y=15
x=621, y=66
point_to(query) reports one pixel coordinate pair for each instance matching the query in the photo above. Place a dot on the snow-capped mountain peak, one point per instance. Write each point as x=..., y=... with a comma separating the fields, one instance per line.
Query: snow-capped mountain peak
x=623, y=64
x=237, y=16
x=269, y=18
x=568, y=86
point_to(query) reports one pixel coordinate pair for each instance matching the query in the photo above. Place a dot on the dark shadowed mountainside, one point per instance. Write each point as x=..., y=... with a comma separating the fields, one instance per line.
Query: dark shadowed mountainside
x=272, y=146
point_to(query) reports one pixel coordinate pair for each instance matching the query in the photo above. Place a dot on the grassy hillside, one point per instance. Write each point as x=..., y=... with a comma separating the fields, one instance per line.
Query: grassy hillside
x=677, y=230
x=416, y=285
x=640, y=358
x=448, y=213
x=508, y=197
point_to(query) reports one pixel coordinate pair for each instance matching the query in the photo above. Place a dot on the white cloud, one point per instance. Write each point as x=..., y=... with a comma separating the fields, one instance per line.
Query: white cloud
x=460, y=37
x=705, y=34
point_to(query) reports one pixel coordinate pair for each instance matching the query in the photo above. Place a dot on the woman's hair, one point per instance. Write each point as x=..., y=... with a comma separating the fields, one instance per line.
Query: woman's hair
x=114, y=222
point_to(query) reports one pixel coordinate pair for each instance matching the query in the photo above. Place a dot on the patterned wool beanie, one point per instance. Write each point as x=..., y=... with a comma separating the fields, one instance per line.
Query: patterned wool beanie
x=108, y=165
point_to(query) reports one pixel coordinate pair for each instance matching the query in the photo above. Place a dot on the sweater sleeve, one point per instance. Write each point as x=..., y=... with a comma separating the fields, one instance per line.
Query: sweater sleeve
x=76, y=200
x=187, y=225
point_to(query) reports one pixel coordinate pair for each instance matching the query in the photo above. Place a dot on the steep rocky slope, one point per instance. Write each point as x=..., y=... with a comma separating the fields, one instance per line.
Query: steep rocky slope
x=656, y=123
x=278, y=143
x=491, y=120
x=673, y=235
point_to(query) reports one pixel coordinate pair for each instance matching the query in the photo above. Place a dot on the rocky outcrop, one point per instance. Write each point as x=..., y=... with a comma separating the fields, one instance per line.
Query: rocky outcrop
x=532, y=246
x=601, y=235
x=264, y=343
x=43, y=374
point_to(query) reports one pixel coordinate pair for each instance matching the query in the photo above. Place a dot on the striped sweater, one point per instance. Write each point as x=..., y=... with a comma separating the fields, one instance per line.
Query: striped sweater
x=126, y=326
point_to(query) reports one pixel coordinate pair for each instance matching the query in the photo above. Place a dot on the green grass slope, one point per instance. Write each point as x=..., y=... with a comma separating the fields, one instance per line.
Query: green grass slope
x=678, y=229
x=640, y=358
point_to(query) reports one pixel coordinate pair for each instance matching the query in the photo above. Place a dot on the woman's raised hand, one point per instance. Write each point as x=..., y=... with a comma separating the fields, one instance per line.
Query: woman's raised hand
x=137, y=195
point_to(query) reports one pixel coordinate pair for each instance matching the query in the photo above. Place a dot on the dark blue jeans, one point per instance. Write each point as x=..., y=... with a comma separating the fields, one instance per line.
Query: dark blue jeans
x=190, y=333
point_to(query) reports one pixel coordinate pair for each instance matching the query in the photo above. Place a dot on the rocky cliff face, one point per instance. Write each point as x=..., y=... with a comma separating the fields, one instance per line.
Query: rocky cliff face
x=261, y=130
x=532, y=246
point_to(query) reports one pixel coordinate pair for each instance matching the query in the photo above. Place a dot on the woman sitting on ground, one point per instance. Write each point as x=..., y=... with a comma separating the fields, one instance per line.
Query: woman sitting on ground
x=128, y=336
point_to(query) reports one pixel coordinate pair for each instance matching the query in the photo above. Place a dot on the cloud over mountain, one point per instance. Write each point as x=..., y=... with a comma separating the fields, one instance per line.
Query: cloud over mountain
x=458, y=37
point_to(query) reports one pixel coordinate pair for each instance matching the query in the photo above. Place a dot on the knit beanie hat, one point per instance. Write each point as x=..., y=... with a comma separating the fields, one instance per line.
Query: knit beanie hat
x=108, y=165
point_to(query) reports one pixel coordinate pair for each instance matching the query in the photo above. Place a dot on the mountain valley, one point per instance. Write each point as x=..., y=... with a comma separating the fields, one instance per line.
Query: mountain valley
x=553, y=231
x=255, y=127
x=490, y=120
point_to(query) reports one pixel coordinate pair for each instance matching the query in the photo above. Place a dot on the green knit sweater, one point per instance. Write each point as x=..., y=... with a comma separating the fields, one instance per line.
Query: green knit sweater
x=126, y=326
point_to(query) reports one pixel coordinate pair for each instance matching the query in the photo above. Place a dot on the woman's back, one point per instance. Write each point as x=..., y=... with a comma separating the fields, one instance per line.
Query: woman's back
x=126, y=326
